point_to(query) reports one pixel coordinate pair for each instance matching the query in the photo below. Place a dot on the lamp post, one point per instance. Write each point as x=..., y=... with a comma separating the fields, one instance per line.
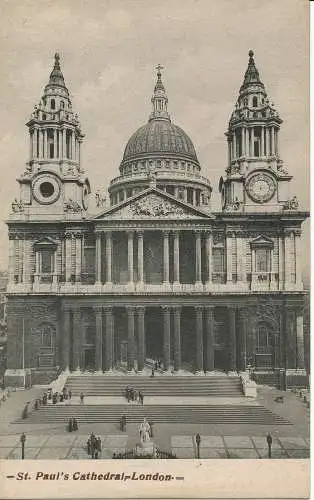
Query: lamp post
x=23, y=439
x=269, y=440
x=198, y=442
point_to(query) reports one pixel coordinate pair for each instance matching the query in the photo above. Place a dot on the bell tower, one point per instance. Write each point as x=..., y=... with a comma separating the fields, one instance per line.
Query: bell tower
x=53, y=180
x=256, y=179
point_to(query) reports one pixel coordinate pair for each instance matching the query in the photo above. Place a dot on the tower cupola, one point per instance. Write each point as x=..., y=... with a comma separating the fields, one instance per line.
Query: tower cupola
x=253, y=148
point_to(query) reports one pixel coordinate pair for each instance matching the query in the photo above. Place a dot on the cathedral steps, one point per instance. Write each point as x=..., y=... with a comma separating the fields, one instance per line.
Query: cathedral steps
x=104, y=385
x=158, y=414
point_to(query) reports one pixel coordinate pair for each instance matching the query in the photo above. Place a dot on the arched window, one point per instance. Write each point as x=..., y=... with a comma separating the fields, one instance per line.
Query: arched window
x=254, y=102
x=44, y=116
x=62, y=104
x=53, y=104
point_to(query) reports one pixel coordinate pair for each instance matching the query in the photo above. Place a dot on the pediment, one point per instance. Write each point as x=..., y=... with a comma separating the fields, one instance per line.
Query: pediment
x=152, y=204
x=262, y=241
x=45, y=242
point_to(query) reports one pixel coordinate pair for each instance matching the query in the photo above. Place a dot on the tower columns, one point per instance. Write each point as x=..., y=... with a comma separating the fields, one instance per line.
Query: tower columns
x=176, y=256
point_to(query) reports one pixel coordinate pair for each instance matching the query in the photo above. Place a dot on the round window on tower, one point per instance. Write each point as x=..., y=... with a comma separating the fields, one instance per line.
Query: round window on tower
x=46, y=189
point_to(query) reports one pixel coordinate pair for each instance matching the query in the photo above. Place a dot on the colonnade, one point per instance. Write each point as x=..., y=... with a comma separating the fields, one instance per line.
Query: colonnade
x=65, y=144
x=269, y=142
x=105, y=337
x=166, y=256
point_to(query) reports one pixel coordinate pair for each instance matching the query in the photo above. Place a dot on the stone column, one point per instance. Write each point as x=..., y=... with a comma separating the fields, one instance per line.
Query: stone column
x=177, y=337
x=54, y=143
x=45, y=155
x=108, y=257
x=243, y=141
x=109, y=322
x=109, y=342
x=64, y=144
x=229, y=256
x=68, y=256
x=267, y=142
x=234, y=146
x=98, y=259
x=66, y=332
x=12, y=259
x=298, y=258
x=209, y=245
x=198, y=257
x=166, y=314
x=166, y=256
x=130, y=313
x=176, y=257
x=130, y=258
x=242, y=340
x=287, y=260
x=300, y=339
x=193, y=197
x=141, y=338
x=77, y=339
x=247, y=142
x=210, y=338
x=272, y=141
x=98, y=345
x=73, y=145
x=140, y=258
x=262, y=141
x=199, y=339
x=78, y=259
x=232, y=340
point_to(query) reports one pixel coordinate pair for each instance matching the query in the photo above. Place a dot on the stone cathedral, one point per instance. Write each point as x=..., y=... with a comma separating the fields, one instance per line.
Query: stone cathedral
x=156, y=274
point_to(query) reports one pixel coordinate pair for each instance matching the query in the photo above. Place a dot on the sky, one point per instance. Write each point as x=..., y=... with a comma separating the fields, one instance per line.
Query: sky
x=109, y=50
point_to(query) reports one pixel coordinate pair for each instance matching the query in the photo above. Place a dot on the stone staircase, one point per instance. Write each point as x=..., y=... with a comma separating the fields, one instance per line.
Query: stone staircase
x=158, y=414
x=160, y=385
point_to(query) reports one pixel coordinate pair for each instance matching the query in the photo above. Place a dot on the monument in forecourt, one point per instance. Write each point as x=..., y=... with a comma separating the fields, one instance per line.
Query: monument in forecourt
x=156, y=274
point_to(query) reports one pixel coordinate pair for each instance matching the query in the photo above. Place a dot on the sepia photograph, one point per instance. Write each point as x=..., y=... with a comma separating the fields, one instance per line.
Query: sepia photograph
x=154, y=242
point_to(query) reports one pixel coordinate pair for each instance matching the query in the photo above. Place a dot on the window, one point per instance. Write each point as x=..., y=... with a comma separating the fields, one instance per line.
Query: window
x=68, y=144
x=263, y=338
x=62, y=104
x=47, y=335
x=50, y=141
x=53, y=104
x=254, y=102
x=262, y=260
x=218, y=260
x=46, y=261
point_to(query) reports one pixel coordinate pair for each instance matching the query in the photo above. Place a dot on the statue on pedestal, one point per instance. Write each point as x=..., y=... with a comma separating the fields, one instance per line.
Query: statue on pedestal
x=144, y=431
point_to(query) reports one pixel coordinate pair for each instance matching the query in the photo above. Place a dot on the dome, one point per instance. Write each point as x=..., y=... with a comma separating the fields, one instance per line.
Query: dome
x=160, y=136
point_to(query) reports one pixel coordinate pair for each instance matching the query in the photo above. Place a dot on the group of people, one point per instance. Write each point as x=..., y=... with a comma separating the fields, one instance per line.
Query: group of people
x=54, y=397
x=132, y=394
x=94, y=446
x=72, y=425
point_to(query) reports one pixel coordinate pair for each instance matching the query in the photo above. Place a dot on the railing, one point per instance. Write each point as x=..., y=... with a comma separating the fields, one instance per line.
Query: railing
x=161, y=174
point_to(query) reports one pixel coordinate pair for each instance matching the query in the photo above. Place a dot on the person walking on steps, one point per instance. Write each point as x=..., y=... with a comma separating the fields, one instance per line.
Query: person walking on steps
x=82, y=398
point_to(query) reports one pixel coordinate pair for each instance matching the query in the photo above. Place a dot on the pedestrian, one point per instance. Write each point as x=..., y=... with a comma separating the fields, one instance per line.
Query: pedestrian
x=269, y=440
x=70, y=425
x=123, y=423
x=155, y=365
x=75, y=424
x=82, y=398
x=70, y=394
x=153, y=372
x=88, y=447
x=127, y=394
x=98, y=444
x=159, y=364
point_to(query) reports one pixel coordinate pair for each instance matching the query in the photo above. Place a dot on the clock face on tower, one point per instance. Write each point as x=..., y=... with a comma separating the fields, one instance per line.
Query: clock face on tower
x=260, y=187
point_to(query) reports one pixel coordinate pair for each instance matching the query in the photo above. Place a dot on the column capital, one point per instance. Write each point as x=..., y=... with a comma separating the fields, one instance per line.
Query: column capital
x=199, y=308
x=166, y=308
x=130, y=233
x=107, y=309
x=130, y=310
x=140, y=233
x=176, y=309
x=98, y=308
x=165, y=232
x=140, y=310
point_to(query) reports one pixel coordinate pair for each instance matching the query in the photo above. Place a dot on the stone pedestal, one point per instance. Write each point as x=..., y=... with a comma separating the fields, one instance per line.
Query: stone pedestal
x=144, y=449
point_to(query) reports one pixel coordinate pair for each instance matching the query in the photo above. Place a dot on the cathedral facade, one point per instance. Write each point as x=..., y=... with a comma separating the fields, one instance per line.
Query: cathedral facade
x=156, y=274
